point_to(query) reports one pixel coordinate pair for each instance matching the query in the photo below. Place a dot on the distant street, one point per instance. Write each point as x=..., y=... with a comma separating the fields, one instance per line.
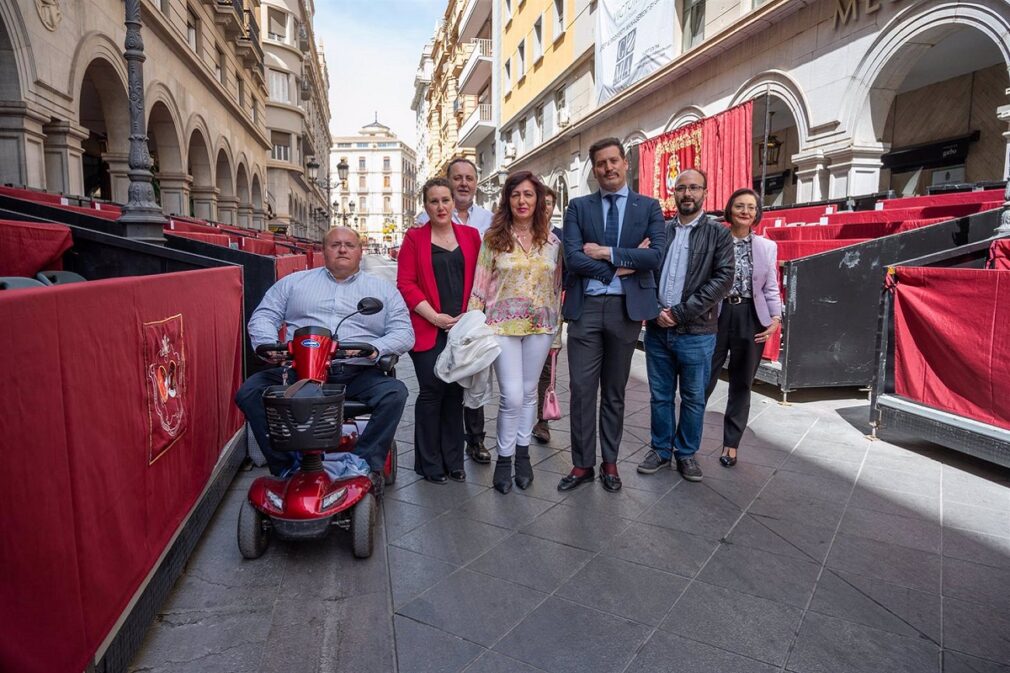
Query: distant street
x=380, y=265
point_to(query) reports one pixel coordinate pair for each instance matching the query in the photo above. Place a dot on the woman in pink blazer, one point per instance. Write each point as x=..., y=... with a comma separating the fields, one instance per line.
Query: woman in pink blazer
x=434, y=274
x=747, y=318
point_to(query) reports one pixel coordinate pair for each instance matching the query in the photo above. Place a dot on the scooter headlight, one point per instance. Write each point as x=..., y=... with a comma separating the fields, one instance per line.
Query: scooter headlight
x=335, y=497
x=275, y=501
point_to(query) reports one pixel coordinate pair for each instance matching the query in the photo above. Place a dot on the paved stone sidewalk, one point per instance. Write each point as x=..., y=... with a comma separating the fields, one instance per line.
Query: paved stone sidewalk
x=819, y=552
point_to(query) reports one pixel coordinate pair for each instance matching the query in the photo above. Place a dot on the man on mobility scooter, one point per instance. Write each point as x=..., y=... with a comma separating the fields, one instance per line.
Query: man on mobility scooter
x=321, y=297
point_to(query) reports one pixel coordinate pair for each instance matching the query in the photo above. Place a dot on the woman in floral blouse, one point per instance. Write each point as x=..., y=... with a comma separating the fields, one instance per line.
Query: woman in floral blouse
x=518, y=287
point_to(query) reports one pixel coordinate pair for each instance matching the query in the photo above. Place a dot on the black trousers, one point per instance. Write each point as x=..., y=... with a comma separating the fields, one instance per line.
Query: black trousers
x=438, y=416
x=738, y=323
x=600, y=346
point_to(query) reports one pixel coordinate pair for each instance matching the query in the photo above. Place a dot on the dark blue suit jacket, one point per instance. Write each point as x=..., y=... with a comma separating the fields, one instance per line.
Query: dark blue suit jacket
x=643, y=218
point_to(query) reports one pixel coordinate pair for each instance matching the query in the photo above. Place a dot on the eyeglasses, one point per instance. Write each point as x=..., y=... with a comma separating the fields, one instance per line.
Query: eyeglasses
x=694, y=189
x=745, y=208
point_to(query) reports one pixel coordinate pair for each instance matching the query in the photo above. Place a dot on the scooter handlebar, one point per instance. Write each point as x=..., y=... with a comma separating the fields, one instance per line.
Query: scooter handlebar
x=365, y=350
x=266, y=350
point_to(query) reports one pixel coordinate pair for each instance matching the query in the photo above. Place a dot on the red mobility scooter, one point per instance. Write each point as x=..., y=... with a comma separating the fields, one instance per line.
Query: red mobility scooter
x=313, y=418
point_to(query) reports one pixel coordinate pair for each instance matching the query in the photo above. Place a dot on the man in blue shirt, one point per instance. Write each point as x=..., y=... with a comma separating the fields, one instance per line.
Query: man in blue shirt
x=613, y=243
x=697, y=272
x=322, y=297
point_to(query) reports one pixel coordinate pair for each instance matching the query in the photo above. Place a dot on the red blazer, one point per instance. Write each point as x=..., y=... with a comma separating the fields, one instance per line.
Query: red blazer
x=415, y=276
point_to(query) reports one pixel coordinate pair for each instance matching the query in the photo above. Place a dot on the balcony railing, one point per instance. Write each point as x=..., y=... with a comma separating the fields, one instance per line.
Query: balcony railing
x=482, y=46
x=230, y=15
x=248, y=44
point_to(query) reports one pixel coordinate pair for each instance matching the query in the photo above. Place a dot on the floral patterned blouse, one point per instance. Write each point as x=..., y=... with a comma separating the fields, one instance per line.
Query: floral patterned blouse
x=519, y=292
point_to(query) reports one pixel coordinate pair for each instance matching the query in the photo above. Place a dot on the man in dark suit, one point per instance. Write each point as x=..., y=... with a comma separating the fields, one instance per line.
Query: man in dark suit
x=696, y=273
x=613, y=243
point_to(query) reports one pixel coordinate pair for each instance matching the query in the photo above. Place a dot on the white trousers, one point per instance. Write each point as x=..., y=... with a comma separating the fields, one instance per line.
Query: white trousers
x=518, y=370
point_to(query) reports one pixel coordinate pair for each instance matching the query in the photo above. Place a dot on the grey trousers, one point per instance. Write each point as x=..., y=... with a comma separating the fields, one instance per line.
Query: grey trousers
x=600, y=346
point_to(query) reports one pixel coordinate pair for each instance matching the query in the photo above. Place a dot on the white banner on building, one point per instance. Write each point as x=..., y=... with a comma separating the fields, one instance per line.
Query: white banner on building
x=633, y=39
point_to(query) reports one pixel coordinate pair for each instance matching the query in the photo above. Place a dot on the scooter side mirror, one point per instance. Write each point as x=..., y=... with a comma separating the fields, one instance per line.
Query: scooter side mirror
x=369, y=306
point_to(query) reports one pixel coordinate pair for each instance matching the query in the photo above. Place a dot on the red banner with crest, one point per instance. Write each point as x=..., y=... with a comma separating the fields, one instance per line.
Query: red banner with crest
x=165, y=378
x=719, y=145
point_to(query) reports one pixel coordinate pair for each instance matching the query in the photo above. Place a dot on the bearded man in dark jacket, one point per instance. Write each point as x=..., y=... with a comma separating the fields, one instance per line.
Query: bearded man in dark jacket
x=697, y=273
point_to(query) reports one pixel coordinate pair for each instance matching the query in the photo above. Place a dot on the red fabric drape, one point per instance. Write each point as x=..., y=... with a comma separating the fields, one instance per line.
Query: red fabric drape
x=90, y=511
x=986, y=196
x=951, y=345
x=258, y=246
x=216, y=239
x=288, y=264
x=720, y=145
x=845, y=231
x=29, y=247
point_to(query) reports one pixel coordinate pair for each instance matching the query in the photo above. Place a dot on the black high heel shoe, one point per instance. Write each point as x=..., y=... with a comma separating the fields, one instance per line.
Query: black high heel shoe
x=726, y=460
x=502, y=479
x=524, y=469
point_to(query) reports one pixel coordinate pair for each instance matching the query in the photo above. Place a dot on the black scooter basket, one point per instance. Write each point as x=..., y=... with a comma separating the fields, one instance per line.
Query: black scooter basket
x=305, y=423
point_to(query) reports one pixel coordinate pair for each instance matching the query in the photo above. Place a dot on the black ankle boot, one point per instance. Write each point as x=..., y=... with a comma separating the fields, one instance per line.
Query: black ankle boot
x=524, y=469
x=502, y=480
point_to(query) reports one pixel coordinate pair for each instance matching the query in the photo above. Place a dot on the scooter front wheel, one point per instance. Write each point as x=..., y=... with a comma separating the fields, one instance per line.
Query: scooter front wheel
x=363, y=526
x=391, y=464
x=252, y=536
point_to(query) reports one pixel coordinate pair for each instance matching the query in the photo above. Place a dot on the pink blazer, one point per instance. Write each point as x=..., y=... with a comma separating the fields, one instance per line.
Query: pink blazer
x=767, y=299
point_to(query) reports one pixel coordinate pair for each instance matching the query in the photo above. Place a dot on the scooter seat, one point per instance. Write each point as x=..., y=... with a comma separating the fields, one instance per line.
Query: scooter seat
x=353, y=409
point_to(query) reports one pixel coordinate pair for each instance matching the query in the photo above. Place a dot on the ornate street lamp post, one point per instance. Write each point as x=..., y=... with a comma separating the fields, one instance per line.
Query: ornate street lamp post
x=142, y=217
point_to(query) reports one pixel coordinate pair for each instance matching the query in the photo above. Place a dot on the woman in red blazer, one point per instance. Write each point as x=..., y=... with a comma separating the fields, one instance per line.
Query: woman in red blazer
x=435, y=275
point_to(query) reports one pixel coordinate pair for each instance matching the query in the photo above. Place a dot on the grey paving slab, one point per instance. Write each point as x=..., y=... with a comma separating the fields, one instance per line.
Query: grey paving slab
x=743, y=472
x=955, y=662
x=975, y=582
x=981, y=519
x=977, y=629
x=532, y=562
x=472, y=606
x=493, y=662
x=829, y=645
x=817, y=466
x=783, y=536
x=624, y=589
x=453, y=538
x=990, y=489
x=577, y=527
x=802, y=509
x=672, y=551
x=695, y=509
x=903, y=566
x=755, y=627
x=831, y=449
x=669, y=652
x=563, y=637
x=779, y=578
x=511, y=510
x=917, y=533
x=628, y=503
x=440, y=497
x=900, y=480
x=829, y=487
x=399, y=517
x=879, y=604
x=900, y=503
x=423, y=649
x=738, y=493
x=977, y=547
x=411, y=574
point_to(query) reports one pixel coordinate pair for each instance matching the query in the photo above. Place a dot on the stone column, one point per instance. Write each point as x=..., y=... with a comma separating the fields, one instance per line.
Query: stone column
x=175, y=190
x=64, y=157
x=854, y=171
x=119, y=175
x=227, y=209
x=204, y=202
x=22, y=146
x=245, y=215
x=811, y=177
x=259, y=219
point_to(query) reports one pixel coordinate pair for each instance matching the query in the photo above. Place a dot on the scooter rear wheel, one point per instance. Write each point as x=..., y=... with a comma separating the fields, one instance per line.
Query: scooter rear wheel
x=363, y=526
x=390, y=476
x=252, y=537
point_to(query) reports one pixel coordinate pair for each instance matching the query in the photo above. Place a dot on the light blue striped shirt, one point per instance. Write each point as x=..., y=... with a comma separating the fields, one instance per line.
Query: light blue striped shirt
x=315, y=297
x=477, y=217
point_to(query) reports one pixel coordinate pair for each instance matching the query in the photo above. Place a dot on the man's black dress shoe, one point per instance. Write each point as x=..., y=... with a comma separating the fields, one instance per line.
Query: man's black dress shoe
x=437, y=479
x=457, y=475
x=570, y=481
x=611, y=482
x=478, y=453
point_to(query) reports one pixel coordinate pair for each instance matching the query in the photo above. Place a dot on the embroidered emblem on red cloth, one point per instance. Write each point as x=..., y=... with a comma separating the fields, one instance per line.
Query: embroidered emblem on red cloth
x=165, y=381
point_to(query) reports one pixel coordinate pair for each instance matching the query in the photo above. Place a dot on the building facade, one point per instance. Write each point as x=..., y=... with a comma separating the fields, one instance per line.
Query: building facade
x=64, y=103
x=379, y=198
x=419, y=106
x=863, y=96
x=297, y=118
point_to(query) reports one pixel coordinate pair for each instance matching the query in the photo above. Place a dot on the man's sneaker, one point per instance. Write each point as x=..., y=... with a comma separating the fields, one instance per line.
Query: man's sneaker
x=477, y=452
x=653, y=463
x=689, y=469
x=378, y=483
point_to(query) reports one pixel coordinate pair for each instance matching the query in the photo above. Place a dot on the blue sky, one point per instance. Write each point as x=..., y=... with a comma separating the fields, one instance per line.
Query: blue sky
x=372, y=51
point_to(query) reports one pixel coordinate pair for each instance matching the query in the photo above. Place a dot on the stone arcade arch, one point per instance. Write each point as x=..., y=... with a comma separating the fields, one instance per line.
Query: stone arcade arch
x=172, y=182
x=103, y=113
x=918, y=48
x=227, y=202
x=203, y=192
x=242, y=193
x=256, y=196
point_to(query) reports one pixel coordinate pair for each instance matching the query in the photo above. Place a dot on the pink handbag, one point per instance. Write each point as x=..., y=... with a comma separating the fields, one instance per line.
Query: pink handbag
x=551, y=410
